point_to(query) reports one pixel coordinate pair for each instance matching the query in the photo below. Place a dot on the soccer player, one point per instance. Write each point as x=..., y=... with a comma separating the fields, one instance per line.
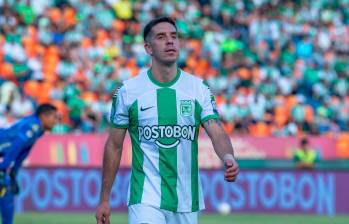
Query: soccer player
x=15, y=145
x=163, y=109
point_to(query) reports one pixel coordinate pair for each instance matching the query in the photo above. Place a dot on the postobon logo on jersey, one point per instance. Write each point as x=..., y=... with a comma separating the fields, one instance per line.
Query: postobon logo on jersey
x=159, y=132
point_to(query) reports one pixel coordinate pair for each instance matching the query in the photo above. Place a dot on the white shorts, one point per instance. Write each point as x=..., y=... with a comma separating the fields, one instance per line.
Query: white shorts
x=147, y=214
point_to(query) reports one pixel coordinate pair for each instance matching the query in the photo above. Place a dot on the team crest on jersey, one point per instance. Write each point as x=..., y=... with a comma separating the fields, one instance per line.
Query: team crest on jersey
x=186, y=108
x=35, y=127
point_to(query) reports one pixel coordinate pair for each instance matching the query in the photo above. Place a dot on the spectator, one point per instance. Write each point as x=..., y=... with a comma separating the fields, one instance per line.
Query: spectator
x=305, y=156
x=258, y=57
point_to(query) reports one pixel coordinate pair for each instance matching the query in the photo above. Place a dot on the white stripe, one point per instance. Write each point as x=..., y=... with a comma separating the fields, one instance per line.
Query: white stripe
x=152, y=181
x=184, y=176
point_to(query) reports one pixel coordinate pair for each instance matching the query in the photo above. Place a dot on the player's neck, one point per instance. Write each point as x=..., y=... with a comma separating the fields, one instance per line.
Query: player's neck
x=163, y=73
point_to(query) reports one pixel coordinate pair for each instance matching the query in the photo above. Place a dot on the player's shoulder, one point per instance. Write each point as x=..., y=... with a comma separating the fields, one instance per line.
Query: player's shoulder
x=130, y=84
x=136, y=82
x=196, y=83
x=30, y=126
x=194, y=80
x=33, y=122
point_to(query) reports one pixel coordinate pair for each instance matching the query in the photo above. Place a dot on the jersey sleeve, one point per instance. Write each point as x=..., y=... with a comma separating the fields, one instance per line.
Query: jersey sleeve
x=119, y=117
x=24, y=137
x=208, y=104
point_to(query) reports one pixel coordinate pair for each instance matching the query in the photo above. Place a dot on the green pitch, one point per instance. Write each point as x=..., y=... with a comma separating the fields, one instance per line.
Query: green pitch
x=121, y=218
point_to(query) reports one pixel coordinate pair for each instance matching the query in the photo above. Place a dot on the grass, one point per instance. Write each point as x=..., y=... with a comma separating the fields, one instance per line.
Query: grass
x=121, y=218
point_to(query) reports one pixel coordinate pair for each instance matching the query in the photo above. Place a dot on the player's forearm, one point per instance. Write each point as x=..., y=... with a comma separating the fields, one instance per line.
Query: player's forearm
x=220, y=140
x=222, y=145
x=111, y=163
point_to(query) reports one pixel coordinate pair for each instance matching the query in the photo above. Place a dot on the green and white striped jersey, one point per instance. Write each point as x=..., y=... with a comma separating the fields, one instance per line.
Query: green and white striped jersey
x=163, y=120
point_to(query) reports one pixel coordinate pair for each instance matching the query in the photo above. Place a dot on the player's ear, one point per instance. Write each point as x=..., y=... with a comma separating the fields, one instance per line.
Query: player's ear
x=148, y=48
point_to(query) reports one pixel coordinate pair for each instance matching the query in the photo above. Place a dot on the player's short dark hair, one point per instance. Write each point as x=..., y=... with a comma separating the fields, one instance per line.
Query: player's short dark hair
x=45, y=108
x=154, y=22
x=304, y=141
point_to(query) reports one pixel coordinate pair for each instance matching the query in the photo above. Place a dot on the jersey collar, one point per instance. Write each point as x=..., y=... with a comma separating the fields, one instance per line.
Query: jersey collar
x=164, y=84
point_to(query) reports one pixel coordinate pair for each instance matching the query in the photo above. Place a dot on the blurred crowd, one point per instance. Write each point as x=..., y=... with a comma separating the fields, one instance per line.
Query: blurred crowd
x=276, y=67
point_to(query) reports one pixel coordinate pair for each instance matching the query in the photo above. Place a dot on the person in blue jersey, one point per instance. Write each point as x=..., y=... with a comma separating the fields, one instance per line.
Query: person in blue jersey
x=15, y=145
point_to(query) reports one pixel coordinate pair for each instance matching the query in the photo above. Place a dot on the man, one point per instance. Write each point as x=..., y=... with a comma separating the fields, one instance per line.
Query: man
x=162, y=108
x=15, y=145
x=305, y=156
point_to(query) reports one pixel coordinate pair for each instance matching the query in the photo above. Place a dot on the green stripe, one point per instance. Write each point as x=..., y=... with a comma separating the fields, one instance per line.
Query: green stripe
x=125, y=126
x=209, y=117
x=167, y=115
x=137, y=176
x=194, y=162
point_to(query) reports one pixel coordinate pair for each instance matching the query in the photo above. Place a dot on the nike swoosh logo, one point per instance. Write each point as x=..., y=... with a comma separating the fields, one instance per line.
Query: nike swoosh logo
x=146, y=108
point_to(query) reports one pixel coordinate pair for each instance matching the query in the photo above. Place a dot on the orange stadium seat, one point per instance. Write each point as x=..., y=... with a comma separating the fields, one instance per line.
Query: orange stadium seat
x=86, y=42
x=210, y=73
x=290, y=102
x=260, y=129
x=6, y=71
x=191, y=62
x=219, y=99
x=89, y=96
x=43, y=96
x=50, y=77
x=201, y=68
x=31, y=88
x=102, y=36
x=228, y=127
x=309, y=113
x=244, y=73
x=55, y=15
x=342, y=145
x=281, y=115
x=69, y=16
x=119, y=25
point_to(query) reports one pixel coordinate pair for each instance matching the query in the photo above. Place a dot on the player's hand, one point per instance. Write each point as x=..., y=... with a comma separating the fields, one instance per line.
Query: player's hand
x=103, y=213
x=231, y=169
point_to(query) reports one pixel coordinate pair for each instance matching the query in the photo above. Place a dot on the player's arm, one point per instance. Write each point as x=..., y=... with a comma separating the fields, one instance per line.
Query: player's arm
x=111, y=160
x=10, y=155
x=111, y=163
x=220, y=140
x=119, y=119
x=223, y=148
x=20, y=158
x=14, y=170
x=14, y=150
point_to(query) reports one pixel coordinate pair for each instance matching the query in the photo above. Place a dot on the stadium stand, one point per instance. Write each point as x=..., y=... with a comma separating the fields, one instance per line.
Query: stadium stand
x=276, y=67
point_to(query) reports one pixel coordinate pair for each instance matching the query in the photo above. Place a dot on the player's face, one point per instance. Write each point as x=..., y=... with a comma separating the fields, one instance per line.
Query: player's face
x=163, y=43
x=50, y=120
